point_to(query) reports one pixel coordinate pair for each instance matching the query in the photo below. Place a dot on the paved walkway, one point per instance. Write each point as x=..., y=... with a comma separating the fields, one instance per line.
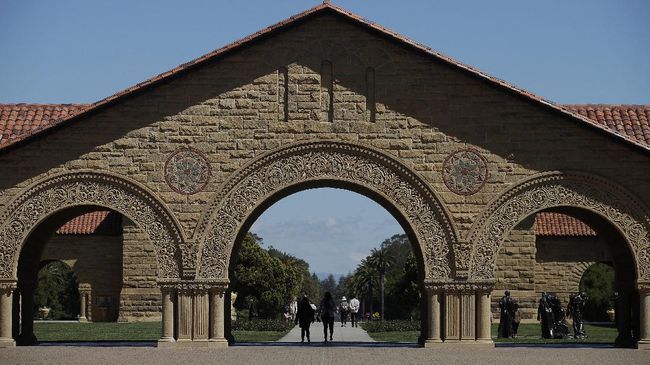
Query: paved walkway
x=306, y=355
x=341, y=334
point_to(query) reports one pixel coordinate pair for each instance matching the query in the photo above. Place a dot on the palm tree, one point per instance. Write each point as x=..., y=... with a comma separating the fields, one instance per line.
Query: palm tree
x=381, y=261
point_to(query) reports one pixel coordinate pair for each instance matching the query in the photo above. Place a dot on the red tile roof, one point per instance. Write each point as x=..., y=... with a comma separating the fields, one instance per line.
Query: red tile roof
x=630, y=120
x=99, y=222
x=18, y=121
x=301, y=17
x=557, y=224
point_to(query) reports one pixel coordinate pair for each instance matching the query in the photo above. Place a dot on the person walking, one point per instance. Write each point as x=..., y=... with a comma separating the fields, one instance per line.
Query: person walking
x=304, y=317
x=327, y=313
x=507, y=312
x=343, y=311
x=354, y=311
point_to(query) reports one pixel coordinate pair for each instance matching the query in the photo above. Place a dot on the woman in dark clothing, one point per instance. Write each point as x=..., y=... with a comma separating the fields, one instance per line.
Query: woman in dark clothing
x=327, y=313
x=305, y=317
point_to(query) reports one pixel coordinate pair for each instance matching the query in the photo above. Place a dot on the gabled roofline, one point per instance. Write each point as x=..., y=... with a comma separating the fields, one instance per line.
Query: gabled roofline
x=297, y=19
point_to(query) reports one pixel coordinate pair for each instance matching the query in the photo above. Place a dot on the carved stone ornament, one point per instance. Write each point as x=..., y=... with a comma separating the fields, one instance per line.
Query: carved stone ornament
x=335, y=163
x=187, y=171
x=88, y=188
x=483, y=286
x=551, y=190
x=465, y=172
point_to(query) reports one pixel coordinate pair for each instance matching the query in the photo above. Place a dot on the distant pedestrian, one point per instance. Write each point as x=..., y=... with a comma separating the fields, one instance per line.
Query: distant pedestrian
x=304, y=317
x=343, y=311
x=354, y=311
x=327, y=313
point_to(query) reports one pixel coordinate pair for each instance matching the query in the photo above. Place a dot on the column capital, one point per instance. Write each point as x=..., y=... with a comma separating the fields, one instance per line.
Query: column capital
x=450, y=286
x=643, y=286
x=194, y=285
x=7, y=285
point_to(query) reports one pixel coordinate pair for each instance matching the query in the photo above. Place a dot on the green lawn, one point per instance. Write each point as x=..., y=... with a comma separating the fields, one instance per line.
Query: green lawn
x=95, y=332
x=128, y=332
x=528, y=334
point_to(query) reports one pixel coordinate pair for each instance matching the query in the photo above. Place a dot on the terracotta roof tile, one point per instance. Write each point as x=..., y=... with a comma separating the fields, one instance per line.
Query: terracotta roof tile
x=629, y=120
x=556, y=224
x=18, y=121
x=382, y=31
x=99, y=222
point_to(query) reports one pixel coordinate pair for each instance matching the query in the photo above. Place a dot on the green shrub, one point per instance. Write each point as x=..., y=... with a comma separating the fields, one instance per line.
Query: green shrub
x=261, y=325
x=391, y=326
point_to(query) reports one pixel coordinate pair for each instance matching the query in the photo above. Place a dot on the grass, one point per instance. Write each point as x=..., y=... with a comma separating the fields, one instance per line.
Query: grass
x=527, y=334
x=531, y=333
x=97, y=332
x=126, y=332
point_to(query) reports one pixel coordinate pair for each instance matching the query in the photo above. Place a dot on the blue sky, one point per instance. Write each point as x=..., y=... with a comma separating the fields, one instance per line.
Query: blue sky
x=568, y=51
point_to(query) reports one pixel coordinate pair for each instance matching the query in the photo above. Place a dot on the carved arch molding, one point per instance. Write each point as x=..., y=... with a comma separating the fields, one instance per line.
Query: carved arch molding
x=552, y=190
x=89, y=188
x=326, y=161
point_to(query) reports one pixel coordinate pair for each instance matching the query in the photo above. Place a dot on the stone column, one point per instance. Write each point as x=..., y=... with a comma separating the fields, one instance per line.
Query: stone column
x=185, y=317
x=201, y=308
x=27, y=288
x=167, y=315
x=483, y=316
x=6, y=305
x=644, y=298
x=433, y=309
x=84, y=305
x=217, y=317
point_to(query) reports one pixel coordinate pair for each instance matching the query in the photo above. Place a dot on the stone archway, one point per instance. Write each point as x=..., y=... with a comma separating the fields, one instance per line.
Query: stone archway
x=345, y=163
x=341, y=164
x=608, y=202
x=44, y=199
x=553, y=190
x=54, y=194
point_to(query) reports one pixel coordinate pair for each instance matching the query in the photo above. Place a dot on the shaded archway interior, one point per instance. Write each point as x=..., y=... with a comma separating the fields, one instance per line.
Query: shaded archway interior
x=29, y=264
x=333, y=184
x=624, y=266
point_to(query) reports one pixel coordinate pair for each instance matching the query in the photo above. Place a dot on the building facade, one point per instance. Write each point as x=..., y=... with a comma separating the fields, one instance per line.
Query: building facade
x=463, y=161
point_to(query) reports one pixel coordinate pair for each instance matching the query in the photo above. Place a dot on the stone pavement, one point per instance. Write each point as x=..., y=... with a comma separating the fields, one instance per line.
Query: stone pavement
x=341, y=334
x=305, y=355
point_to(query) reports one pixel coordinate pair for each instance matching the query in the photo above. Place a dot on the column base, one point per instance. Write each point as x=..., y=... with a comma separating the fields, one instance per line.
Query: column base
x=643, y=345
x=7, y=342
x=431, y=343
x=217, y=343
x=83, y=319
x=166, y=342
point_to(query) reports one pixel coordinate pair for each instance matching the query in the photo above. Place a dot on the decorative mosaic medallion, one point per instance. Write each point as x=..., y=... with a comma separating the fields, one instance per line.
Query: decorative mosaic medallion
x=465, y=172
x=187, y=171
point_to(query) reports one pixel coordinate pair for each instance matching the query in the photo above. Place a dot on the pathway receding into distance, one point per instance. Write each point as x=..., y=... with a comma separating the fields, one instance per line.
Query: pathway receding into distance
x=341, y=334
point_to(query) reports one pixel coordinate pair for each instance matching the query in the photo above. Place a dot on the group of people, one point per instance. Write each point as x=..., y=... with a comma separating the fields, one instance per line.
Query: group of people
x=307, y=313
x=550, y=313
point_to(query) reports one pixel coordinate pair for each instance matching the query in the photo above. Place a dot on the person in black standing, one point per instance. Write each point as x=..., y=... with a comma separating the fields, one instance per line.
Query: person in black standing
x=507, y=310
x=545, y=316
x=327, y=313
x=304, y=317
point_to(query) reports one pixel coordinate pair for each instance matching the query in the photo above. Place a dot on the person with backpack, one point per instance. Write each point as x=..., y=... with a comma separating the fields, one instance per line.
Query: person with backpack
x=327, y=313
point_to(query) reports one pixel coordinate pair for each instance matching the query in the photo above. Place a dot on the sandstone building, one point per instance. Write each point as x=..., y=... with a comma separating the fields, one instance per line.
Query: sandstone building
x=190, y=158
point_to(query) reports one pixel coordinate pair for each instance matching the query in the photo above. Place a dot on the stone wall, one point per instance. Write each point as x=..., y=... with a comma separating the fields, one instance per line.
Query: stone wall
x=140, y=295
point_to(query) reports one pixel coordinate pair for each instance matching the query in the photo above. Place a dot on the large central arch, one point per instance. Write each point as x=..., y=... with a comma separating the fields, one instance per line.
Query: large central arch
x=327, y=163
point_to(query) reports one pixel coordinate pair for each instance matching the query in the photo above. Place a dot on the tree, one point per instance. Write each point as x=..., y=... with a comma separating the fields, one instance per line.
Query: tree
x=363, y=279
x=381, y=261
x=598, y=283
x=58, y=290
